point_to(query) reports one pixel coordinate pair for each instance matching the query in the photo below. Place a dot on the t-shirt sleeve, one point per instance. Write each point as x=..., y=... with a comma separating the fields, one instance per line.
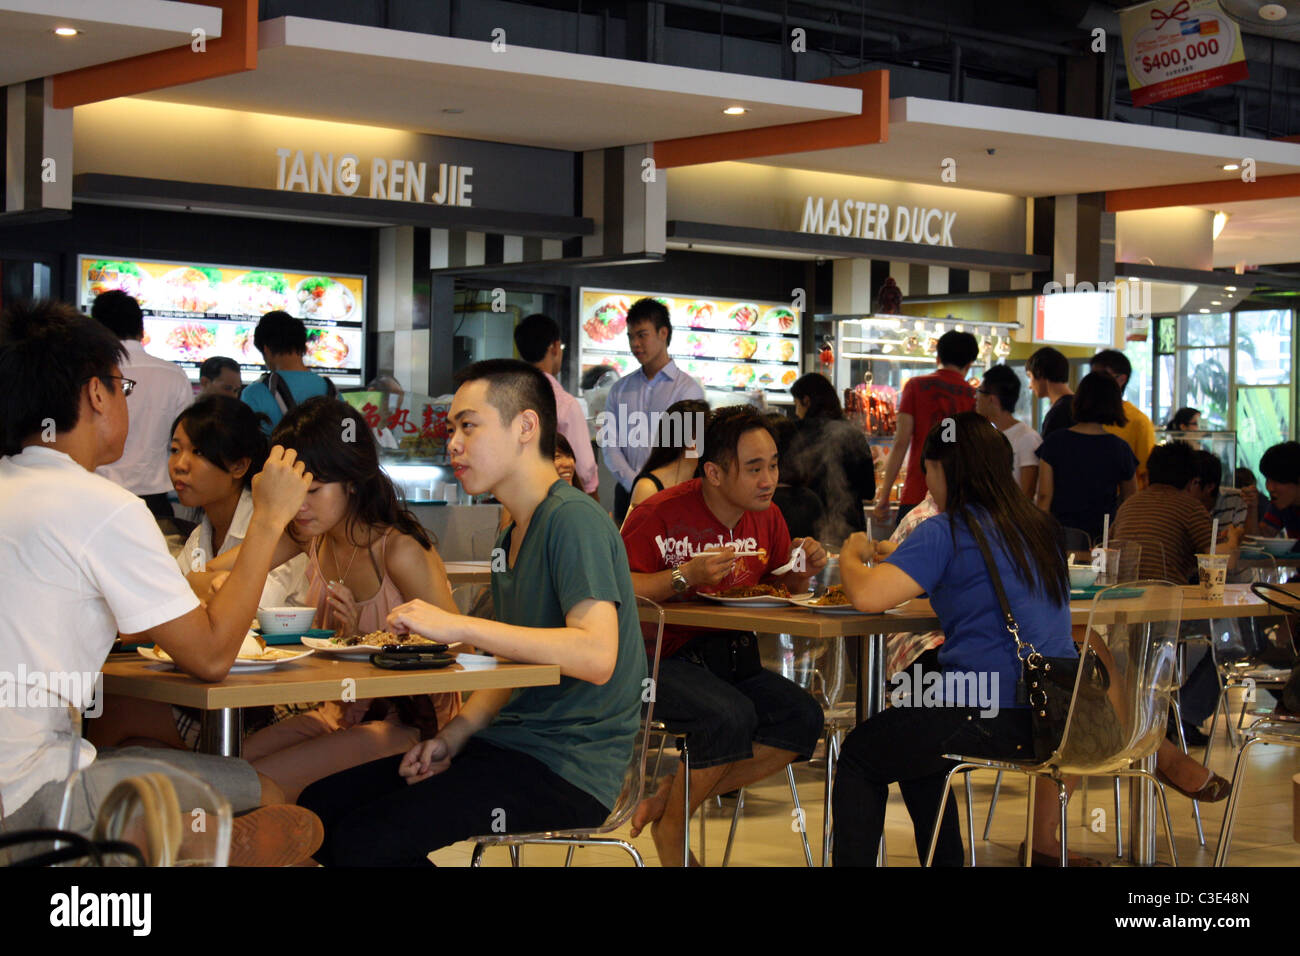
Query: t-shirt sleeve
x=926, y=553
x=583, y=554
x=1126, y=461
x=778, y=539
x=907, y=401
x=1049, y=450
x=257, y=397
x=127, y=559
x=643, y=553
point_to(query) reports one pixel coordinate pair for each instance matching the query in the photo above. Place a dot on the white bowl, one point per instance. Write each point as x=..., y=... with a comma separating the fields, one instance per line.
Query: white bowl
x=1082, y=577
x=285, y=620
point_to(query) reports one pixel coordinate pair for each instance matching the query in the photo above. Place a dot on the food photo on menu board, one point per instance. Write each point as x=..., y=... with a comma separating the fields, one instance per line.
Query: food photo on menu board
x=744, y=346
x=193, y=312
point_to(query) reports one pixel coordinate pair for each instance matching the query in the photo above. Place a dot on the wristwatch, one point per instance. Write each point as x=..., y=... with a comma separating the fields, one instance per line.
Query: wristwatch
x=680, y=583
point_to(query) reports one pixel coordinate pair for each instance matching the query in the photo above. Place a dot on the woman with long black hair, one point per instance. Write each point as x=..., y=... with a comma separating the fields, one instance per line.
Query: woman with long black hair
x=966, y=463
x=675, y=456
x=830, y=457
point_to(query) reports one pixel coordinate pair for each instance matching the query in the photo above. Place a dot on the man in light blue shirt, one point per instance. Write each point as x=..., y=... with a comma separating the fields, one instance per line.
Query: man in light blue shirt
x=282, y=340
x=637, y=399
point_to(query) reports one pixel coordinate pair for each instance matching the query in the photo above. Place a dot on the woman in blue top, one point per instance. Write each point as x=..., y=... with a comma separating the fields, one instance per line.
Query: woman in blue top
x=972, y=709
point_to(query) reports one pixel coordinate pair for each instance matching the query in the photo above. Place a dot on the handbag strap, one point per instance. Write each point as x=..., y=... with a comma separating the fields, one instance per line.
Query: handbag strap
x=1025, y=652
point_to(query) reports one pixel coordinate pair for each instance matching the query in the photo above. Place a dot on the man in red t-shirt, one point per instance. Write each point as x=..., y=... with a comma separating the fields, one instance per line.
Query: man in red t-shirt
x=710, y=534
x=927, y=399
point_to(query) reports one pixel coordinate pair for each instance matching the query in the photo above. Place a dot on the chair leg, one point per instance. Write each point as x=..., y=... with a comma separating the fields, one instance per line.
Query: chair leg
x=970, y=818
x=943, y=805
x=659, y=756
x=1214, y=722
x=1119, y=823
x=1029, y=821
x=686, y=790
x=568, y=857
x=1230, y=814
x=515, y=854
x=1083, y=802
x=1164, y=807
x=1233, y=742
x=735, y=821
x=826, y=799
x=476, y=859
x=1182, y=745
x=798, y=812
x=993, y=804
x=1064, y=799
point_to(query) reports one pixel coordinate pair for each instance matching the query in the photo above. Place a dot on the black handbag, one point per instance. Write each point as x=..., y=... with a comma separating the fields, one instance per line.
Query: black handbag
x=1048, y=684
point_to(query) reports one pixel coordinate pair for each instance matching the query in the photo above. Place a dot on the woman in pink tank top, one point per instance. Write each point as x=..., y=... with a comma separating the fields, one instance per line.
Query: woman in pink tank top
x=367, y=554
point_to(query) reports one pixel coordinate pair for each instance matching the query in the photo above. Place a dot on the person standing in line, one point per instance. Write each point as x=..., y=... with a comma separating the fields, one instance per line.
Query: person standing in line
x=219, y=375
x=282, y=340
x=927, y=399
x=1048, y=372
x=537, y=339
x=637, y=398
x=1137, y=430
x=996, y=399
x=831, y=457
x=159, y=392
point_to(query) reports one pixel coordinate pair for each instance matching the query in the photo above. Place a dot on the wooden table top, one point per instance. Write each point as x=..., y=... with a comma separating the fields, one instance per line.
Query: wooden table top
x=311, y=679
x=468, y=572
x=916, y=615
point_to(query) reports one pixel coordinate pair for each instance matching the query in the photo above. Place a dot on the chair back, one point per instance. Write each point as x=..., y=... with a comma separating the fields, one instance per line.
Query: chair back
x=817, y=664
x=1120, y=706
x=634, y=777
x=1130, y=561
x=173, y=816
x=1076, y=539
x=474, y=600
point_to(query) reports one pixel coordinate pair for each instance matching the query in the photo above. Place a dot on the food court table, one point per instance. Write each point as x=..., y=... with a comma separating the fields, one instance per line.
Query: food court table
x=917, y=615
x=468, y=572
x=311, y=679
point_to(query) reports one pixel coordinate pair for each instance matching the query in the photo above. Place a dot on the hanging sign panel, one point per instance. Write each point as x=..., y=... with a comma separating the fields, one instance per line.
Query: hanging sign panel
x=1175, y=48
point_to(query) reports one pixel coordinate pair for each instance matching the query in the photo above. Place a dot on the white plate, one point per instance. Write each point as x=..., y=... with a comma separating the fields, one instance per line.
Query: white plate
x=805, y=603
x=476, y=661
x=322, y=645
x=759, y=600
x=240, y=666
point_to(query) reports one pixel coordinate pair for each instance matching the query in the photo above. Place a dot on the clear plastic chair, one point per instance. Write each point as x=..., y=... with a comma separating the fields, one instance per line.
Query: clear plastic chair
x=1076, y=539
x=474, y=600
x=1269, y=728
x=628, y=798
x=1134, y=640
x=174, y=818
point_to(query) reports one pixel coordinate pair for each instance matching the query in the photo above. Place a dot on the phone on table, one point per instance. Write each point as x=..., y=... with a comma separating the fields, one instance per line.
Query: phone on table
x=413, y=648
x=406, y=660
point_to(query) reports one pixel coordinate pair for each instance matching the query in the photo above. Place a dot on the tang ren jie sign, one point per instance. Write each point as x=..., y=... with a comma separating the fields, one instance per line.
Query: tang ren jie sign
x=397, y=179
x=854, y=219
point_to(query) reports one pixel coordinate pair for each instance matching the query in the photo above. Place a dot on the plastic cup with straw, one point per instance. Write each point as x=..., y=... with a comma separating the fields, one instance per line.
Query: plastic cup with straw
x=1213, y=567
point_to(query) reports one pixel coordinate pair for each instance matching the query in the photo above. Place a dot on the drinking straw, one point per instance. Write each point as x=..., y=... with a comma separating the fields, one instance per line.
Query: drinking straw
x=1105, y=531
x=1214, y=534
x=869, y=529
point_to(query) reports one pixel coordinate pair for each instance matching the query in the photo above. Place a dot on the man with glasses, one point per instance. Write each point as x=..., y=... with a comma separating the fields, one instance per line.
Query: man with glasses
x=158, y=390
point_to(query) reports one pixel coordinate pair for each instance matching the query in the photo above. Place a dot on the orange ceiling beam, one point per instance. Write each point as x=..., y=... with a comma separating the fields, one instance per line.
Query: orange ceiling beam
x=1201, y=194
x=233, y=52
x=870, y=126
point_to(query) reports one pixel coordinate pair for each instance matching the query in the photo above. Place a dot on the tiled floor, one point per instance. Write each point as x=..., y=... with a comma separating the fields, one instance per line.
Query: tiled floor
x=766, y=835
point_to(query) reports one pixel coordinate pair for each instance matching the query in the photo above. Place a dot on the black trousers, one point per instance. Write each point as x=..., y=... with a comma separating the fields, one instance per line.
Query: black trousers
x=905, y=745
x=372, y=817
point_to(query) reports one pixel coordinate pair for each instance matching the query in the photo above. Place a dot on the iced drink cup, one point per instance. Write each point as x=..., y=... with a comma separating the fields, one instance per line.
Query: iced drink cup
x=1213, y=572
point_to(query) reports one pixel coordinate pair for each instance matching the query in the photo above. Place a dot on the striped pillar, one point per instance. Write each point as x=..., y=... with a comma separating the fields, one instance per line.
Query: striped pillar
x=38, y=150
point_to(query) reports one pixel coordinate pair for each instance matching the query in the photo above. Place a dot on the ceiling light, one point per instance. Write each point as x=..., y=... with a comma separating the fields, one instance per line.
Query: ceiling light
x=1229, y=288
x=1272, y=11
x=735, y=110
x=1216, y=302
x=66, y=31
x=1230, y=167
x=1220, y=220
x=1205, y=311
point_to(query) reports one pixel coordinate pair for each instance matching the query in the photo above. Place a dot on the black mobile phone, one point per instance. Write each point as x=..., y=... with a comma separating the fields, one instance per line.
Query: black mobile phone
x=414, y=648
x=411, y=661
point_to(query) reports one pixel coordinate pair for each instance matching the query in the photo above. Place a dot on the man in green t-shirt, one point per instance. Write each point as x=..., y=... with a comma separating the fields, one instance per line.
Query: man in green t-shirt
x=540, y=758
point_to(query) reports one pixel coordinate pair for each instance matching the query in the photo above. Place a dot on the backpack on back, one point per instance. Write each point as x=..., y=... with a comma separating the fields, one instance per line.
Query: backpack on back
x=279, y=390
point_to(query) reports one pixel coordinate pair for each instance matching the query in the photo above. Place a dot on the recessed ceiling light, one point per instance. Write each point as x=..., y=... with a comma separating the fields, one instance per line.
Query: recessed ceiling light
x=1205, y=311
x=66, y=31
x=1229, y=288
x=1230, y=167
x=453, y=109
x=735, y=110
x=1216, y=302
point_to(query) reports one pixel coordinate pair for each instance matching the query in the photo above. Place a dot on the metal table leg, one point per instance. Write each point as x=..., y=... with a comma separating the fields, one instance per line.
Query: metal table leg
x=222, y=732
x=1142, y=817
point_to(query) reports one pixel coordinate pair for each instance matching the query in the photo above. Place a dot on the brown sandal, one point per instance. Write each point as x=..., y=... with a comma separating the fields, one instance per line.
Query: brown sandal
x=1214, y=790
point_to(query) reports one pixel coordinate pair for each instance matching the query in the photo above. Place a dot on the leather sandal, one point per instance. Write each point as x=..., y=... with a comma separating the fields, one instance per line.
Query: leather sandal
x=1214, y=790
x=1054, y=859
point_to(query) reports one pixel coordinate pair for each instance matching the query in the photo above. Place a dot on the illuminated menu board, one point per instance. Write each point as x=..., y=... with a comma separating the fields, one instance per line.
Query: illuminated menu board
x=193, y=312
x=742, y=346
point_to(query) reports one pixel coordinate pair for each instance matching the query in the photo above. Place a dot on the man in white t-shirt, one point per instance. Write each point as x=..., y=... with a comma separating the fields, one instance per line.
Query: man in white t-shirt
x=84, y=561
x=996, y=400
x=161, y=392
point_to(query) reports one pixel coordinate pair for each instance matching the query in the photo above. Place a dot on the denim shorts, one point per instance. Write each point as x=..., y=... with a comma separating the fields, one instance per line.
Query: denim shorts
x=722, y=720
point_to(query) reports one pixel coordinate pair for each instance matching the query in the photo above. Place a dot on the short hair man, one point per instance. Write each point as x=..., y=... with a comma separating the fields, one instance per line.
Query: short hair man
x=1137, y=429
x=996, y=400
x=1048, y=371
x=636, y=400
x=282, y=340
x=160, y=393
x=219, y=375
x=927, y=399
x=537, y=339
x=545, y=757
x=1225, y=505
x=1167, y=518
x=709, y=534
x=1280, y=466
x=83, y=561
